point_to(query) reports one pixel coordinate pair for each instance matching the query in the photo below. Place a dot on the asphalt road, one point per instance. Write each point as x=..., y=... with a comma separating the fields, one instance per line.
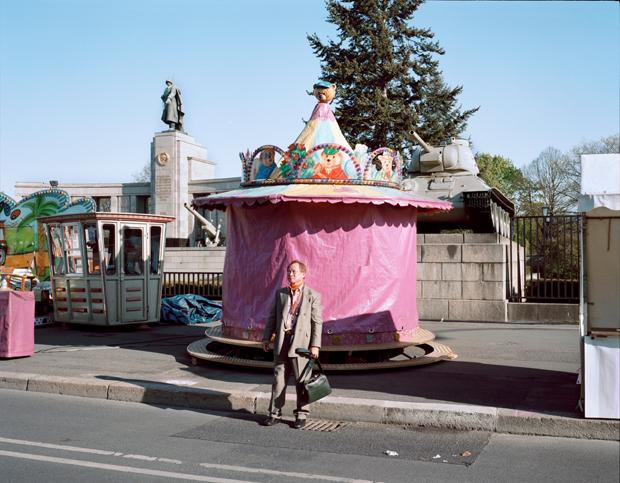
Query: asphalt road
x=64, y=438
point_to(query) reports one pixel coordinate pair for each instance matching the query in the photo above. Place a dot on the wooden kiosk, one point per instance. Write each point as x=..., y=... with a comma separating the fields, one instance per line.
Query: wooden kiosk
x=106, y=268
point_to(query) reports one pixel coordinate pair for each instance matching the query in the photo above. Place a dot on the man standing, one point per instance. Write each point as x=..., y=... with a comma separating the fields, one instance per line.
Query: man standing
x=173, y=107
x=297, y=321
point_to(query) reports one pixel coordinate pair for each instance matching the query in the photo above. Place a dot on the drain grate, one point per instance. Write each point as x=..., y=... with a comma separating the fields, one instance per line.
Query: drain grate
x=325, y=426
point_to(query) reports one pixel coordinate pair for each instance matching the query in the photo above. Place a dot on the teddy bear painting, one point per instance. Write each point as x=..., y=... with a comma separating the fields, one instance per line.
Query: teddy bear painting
x=330, y=165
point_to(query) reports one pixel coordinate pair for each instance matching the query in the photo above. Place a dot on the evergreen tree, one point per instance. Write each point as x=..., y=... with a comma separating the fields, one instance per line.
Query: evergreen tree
x=388, y=77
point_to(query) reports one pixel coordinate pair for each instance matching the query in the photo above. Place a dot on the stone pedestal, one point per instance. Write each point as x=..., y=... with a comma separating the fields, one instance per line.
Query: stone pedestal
x=176, y=160
x=464, y=276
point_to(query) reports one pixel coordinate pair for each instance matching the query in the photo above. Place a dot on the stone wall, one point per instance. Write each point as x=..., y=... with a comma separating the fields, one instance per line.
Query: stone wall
x=460, y=277
x=194, y=259
x=463, y=276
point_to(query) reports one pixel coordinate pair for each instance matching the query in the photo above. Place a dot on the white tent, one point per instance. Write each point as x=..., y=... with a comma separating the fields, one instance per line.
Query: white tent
x=600, y=285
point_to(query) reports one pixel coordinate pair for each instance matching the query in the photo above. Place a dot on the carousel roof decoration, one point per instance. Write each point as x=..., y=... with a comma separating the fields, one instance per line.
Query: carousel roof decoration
x=322, y=160
x=321, y=155
x=44, y=202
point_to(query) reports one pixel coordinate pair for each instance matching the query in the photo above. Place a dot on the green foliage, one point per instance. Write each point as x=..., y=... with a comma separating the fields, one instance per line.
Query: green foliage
x=388, y=77
x=499, y=172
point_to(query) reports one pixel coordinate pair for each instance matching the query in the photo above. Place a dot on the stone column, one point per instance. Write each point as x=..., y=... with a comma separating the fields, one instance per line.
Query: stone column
x=174, y=155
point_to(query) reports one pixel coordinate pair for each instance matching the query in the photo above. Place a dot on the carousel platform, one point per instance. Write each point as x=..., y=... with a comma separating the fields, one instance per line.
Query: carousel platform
x=419, y=350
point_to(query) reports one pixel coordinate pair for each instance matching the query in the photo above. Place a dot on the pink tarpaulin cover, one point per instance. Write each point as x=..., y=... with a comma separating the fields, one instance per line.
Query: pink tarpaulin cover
x=16, y=323
x=360, y=257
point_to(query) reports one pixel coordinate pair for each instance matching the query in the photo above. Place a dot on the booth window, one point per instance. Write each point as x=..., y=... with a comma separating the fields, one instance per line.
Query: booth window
x=58, y=258
x=71, y=238
x=155, y=244
x=132, y=251
x=109, y=249
x=92, y=250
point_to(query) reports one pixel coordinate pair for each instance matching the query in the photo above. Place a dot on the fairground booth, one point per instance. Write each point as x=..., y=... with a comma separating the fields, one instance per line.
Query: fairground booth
x=343, y=213
x=600, y=293
x=106, y=268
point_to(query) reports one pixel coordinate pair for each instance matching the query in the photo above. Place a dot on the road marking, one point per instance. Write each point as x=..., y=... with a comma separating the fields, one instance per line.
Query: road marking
x=241, y=469
x=282, y=473
x=140, y=457
x=77, y=449
x=122, y=469
x=168, y=460
x=59, y=446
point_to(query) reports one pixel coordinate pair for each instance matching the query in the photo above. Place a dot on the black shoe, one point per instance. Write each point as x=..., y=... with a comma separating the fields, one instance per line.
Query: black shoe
x=299, y=423
x=270, y=421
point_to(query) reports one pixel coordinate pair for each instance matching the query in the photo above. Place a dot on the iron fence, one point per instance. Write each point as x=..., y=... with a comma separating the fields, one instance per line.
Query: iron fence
x=206, y=284
x=545, y=267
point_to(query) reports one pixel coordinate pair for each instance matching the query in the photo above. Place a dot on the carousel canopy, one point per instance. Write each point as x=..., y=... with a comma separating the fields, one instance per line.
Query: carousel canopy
x=319, y=193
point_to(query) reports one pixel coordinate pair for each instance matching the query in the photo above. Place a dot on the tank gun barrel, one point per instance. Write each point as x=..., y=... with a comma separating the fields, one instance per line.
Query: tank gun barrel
x=426, y=147
x=206, y=224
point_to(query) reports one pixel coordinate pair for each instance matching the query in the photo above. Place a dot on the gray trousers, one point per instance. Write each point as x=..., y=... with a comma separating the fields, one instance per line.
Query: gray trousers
x=284, y=366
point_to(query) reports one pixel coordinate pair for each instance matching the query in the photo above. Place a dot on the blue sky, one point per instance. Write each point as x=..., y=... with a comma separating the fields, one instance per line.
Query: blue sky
x=80, y=80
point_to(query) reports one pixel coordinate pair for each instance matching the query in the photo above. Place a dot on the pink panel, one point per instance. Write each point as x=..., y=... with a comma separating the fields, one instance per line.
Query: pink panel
x=16, y=323
x=361, y=258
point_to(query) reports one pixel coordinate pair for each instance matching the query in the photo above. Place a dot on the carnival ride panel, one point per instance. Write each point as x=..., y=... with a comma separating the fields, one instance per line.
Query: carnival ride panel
x=106, y=267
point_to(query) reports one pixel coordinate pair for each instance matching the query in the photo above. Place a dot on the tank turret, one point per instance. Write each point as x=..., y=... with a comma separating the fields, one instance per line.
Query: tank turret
x=449, y=172
x=453, y=156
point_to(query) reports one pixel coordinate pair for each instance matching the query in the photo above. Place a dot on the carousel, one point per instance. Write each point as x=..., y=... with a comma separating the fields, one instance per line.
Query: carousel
x=341, y=211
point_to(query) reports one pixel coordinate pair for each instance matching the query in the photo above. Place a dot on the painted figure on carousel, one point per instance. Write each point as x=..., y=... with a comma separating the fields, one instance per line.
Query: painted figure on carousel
x=330, y=166
x=266, y=164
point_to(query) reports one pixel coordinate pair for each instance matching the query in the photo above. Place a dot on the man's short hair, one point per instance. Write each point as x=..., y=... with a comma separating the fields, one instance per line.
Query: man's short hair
x=302, y=266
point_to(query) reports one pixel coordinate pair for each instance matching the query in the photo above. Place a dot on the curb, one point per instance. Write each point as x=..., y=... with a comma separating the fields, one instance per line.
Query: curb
x=435, y=415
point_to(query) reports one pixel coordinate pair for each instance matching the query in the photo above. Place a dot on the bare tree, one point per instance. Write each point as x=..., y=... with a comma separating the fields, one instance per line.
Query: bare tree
x=554, y=177
x=549, y=175
x=142, y=176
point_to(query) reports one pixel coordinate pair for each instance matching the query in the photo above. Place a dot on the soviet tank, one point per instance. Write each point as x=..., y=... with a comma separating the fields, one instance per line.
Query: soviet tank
x=449, y=173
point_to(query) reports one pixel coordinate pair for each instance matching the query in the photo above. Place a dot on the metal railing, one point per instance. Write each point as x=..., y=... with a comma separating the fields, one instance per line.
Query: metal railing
x=206, y=284
x=545, y=267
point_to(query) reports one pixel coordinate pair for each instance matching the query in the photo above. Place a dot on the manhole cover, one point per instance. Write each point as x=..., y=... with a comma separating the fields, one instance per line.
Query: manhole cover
x=325, y=426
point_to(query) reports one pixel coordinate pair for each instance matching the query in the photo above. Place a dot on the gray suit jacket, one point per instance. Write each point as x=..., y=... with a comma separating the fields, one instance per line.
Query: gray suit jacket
x=309, y=322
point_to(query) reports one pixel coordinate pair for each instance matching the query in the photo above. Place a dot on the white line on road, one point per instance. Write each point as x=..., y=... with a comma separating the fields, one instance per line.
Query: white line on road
x=63, y=447
x=282, y=473
x=240, y=469
x=77, y=449
x=122, y=469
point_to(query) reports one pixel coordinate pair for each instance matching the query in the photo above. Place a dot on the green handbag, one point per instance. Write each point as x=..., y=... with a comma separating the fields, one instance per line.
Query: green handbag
x=316, y=386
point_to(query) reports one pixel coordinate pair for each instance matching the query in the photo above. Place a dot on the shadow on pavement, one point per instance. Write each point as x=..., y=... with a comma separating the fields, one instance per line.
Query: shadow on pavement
x=463, y=382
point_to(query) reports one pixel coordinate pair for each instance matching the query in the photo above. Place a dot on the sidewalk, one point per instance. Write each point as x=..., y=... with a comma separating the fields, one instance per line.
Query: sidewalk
x=508, y=378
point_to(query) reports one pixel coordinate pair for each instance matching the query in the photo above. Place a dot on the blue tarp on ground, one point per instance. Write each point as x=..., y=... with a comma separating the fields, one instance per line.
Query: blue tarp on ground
x=190, y=309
